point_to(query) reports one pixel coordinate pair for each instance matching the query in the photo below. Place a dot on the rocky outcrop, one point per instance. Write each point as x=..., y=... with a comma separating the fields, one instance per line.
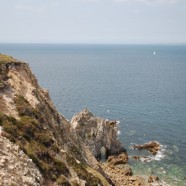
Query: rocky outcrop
x=120, y=172
x=153, y=147
x=29, y=119
x=117, y=160
x=40, y=147
x=16, y=168
x=99, y=134
x=153, y=179
x=118, y=169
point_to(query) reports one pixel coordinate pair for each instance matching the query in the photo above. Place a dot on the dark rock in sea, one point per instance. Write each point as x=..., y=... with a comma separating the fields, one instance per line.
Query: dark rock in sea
x=136, y=157
x=153, y=179
x=153, y=147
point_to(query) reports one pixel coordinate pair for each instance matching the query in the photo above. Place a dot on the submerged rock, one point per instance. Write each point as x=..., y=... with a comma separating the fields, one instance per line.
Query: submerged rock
x=153, y=179
x=98, y=134
x=136, y=157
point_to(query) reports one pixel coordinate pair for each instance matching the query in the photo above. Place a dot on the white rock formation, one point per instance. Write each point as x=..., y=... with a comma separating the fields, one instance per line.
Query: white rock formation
x=16, y=168
x=97, y=133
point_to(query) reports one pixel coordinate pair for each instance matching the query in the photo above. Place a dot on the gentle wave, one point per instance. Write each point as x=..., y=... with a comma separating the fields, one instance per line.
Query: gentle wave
x=158, y=157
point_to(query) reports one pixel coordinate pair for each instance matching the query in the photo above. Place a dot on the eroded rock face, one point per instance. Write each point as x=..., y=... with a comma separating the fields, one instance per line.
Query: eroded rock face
x=117, y=160
x=97, y=133
x=29, y=119
x=120, y=172
x=16, y=168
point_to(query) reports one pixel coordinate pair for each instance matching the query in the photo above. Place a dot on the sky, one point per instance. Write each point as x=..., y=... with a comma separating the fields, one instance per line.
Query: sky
x=93, y=21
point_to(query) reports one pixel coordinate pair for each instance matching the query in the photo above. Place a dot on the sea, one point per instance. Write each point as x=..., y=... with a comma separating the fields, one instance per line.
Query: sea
x=143, y=87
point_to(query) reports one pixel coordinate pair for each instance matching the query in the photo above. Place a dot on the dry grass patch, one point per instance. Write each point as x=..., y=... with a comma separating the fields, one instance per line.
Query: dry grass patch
x=6, y=59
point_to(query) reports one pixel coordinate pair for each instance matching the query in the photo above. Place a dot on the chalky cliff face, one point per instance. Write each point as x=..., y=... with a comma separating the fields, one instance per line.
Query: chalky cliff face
x=31, y=126
x=99, y=134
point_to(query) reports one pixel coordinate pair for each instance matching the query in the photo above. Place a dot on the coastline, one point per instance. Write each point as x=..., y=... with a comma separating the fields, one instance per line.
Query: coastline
x=168, y=165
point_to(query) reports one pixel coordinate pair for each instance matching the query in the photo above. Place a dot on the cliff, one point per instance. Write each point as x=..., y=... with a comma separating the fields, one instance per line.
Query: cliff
x=16, y=167
x=39, y=147
x=29, y=120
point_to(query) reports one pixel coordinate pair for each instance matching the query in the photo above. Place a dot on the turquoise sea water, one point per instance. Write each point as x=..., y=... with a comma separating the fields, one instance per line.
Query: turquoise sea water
x=146, y=92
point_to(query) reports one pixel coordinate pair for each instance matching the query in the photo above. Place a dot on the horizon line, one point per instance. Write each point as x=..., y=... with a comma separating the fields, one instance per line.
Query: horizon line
x=71, y=43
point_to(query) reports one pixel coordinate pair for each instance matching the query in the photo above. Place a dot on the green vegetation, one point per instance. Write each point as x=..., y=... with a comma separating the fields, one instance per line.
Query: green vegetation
x=62, y=181
x=82, y=172
x=32, y=135
x=74, y=183
x=1, y=118
x=37, y=142
x=25, y=109
x=6, y=59
x=98, y=175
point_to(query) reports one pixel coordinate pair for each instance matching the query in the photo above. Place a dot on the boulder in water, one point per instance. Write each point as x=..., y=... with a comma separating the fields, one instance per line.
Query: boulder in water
x=153, y=179
x=153, y=147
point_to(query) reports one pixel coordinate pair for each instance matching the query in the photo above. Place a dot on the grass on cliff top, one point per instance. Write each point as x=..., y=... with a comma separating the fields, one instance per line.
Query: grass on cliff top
x=6, y=59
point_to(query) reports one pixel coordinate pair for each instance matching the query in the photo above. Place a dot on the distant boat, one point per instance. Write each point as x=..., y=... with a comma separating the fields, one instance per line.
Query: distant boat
x=154, y=53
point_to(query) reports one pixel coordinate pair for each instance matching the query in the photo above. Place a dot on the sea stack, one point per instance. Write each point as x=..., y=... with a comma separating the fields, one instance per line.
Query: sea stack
x=98, y=134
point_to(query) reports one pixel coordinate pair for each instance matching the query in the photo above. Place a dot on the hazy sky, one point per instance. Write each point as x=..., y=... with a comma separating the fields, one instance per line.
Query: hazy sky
x=93, y=21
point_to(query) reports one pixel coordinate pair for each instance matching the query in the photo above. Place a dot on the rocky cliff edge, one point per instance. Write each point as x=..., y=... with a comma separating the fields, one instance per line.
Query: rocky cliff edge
x=29, y=120
x=39, y=147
